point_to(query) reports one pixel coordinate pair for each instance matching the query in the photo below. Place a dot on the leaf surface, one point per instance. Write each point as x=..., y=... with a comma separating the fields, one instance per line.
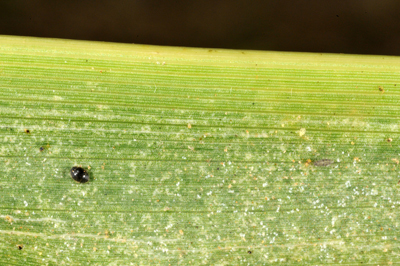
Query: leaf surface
x=196, y=156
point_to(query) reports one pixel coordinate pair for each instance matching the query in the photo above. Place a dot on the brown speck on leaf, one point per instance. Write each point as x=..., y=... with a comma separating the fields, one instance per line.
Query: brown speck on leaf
x=381, y=89
x=389, y=140
x=20, y=247
x=395, y=160
x=27, y=131
x=323, y=162
x=249, y=251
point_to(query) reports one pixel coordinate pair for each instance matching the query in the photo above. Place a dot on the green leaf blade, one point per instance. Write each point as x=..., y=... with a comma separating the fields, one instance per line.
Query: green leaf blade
x=196, y=156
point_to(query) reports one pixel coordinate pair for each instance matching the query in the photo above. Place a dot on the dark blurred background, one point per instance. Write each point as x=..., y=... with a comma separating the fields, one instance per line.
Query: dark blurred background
x=336, y=26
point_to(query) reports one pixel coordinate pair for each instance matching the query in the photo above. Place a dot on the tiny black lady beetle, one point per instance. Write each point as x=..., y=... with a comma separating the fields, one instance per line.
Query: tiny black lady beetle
x=79, y=174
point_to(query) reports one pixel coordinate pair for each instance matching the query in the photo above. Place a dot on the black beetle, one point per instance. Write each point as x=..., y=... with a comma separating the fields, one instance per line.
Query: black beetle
x=79, y=174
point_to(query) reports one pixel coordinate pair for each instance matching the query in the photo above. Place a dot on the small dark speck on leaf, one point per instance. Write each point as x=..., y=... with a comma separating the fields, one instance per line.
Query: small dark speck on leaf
x=323, y=162
x=27, y=131
x=389, y=140
x=41, y=149
x=20, y=247
x=253, y=103
x=218, y=168
x=249, y=251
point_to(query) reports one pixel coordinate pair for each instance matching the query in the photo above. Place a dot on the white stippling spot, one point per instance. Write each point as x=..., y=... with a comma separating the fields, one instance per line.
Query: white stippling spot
x=302, y=132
